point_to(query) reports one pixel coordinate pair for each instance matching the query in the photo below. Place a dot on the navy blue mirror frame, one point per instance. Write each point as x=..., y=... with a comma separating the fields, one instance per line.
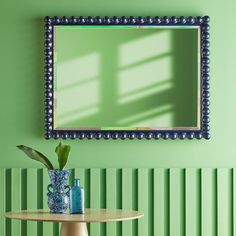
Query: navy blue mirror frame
x=203, y=132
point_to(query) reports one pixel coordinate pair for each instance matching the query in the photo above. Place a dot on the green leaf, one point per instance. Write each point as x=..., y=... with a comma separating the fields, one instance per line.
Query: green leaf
x=62, y=154
x=35, y=155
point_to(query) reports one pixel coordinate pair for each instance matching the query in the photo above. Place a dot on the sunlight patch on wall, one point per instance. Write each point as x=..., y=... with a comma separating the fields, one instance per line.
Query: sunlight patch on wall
x=141, y=49
x=75, y=100
x=145, y=67
x=77, y=70
x=161, y=120
x=157, y=117
x=79, y=114
x=155, y=89
x=145, y=79
x=78, y=89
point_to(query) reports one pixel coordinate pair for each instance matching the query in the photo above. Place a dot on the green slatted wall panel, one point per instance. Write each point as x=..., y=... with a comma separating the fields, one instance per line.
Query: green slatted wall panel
x=161, y=202
x=192, y=202
x=95, y=197
x=143, y=201
x=224, y=202
x=111, y=192
x=234, y=200
x=32, y=199
x=208, y=202
x=47, y=227
x=176, y=202
x=2, y=201
x=127, y=196
x=16, y=199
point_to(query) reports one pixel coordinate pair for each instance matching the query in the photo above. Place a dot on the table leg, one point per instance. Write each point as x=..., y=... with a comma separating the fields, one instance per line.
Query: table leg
x=73, y=229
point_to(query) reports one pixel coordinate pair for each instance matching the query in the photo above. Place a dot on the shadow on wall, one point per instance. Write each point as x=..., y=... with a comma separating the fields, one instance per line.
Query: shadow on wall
x=126, y=78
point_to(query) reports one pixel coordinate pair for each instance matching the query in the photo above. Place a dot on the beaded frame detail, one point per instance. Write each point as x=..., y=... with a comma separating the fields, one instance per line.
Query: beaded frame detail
x=202, y=22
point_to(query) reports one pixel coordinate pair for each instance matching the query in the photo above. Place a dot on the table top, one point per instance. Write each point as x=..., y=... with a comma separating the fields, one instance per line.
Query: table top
x=91, y=215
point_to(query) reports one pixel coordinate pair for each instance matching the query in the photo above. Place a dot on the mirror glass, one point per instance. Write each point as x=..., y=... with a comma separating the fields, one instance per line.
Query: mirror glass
x=126, y=77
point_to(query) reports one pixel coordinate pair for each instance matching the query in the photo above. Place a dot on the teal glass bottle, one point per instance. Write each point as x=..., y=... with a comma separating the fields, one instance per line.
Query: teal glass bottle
x=77, y=198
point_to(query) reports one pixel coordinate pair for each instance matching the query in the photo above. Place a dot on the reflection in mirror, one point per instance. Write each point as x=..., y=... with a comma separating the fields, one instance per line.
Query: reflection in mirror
x=126, y=77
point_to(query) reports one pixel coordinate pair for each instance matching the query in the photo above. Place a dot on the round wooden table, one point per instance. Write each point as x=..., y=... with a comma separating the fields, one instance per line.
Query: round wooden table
x=75, y=224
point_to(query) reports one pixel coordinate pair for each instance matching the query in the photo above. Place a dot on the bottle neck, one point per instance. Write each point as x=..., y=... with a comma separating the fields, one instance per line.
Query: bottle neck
x=76, y=182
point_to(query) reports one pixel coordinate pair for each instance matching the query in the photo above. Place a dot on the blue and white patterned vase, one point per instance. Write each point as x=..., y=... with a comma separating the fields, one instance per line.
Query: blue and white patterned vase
x=58, y=191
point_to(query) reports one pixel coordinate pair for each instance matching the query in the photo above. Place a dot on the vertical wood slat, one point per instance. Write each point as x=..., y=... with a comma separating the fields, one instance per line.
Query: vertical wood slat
x=47, y=226
x=143, y=201
x=224, y=202
x=192, y=202
x=2, y=201
x=176, y=202
x=31, y=198
x=95, y=198
x=234, y=201
x=16, y=199
x=160, y=202
x=208, y=202
x=111, y=198
x=127, y=199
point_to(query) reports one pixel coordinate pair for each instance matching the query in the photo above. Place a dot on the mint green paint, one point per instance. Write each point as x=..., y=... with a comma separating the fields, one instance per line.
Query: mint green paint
x=125, y=77
x=22, y=87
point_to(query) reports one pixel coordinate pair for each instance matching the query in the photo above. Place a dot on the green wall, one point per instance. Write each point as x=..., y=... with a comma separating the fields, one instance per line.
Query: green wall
x=22, y=87
x=118, y=66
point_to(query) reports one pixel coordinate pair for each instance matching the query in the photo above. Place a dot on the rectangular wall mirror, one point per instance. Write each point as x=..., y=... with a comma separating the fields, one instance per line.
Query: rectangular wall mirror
x=127, y=77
